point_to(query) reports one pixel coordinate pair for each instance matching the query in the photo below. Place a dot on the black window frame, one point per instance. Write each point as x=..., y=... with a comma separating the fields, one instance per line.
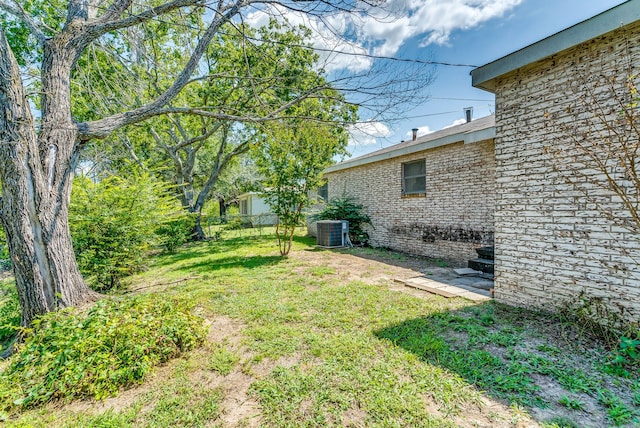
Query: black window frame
x=406, y=177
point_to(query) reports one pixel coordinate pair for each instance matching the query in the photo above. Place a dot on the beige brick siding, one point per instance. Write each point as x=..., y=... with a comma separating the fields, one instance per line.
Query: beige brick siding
x=454, y=217
x=552, y=241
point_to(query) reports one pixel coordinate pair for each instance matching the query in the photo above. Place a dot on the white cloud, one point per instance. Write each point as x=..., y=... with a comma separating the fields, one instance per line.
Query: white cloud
x=367, y=133
x=437, y=19
x=383, y=31
x=455, y=123
x=334, y=50
x=422, y=130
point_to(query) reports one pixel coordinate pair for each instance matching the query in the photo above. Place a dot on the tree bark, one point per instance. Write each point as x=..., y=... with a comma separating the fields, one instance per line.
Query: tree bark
x=197, y=233
x=37, y=160
x=36, y=174
x=222, y=205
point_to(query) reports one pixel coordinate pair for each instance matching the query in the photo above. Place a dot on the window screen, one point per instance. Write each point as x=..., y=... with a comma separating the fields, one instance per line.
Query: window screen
x=413, y=177
x=323, y=192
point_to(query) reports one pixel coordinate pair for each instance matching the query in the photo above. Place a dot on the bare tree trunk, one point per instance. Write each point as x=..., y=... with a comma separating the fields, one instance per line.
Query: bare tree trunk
x=197, y=233
x=36, y=174
x=37, y=161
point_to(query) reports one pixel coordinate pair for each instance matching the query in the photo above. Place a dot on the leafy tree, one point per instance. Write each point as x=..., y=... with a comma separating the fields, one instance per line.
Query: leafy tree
x=292, y=161
x=116, y=221
x=247, y=78
x=54, y=40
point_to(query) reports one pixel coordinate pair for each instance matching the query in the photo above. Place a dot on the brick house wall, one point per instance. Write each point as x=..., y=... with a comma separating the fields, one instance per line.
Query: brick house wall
x=454, y=216
x=552, y=242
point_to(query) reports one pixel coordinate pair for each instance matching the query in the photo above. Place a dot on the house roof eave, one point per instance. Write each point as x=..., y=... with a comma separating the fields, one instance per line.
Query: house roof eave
x=484, y=77
x=467, y=137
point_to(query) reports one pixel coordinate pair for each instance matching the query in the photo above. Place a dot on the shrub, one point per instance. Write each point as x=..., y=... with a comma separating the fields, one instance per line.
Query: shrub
x=115, y=222
x=5, y=257
x=176, y=232
x=347, y=209
x=9, y=311
x=115, y=344
x=598, y=321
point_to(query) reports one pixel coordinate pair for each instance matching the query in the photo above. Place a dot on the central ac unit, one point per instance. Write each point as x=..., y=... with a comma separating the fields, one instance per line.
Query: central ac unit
x=331, y=233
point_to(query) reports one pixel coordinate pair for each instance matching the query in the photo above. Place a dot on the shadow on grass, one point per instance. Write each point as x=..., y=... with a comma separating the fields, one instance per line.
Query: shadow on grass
x=478, y=344
x=196, y=250
x=525, y=357
x=306, y=240
x=251, y=262
x=384, y=255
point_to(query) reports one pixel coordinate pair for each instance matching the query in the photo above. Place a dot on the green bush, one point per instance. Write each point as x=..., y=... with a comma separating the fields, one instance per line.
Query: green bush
x=72, y=355
x=9, y=311
x=115, y=222
x=5, y=257
x=176, y=232
x=347, y=209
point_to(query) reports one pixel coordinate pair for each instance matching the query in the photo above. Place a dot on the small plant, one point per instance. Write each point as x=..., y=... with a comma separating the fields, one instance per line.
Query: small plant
x=618, y=412
x=571, y=403
x=629, y=351
x=560, y=422
x=222, y=361
x=234, y=223
x=176, y=231
x=347, y=208
x=442, y=263
x=116, y=344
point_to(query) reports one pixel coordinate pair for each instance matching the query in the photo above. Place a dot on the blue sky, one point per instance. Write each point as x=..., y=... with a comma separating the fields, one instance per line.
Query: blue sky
x=452, y=31
x=519, y=26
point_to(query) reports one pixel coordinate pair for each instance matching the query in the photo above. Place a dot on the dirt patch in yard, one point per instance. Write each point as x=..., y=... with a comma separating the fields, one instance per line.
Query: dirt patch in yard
x=529, y=340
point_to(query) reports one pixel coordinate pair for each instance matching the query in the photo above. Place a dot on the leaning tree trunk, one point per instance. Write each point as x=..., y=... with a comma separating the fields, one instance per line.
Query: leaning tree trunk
x=197, y=233
x=36, y=172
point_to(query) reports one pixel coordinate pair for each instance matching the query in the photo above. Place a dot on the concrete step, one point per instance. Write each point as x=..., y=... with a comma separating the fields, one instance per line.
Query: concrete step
x=447, y=290
x=485, y=253
x=484, y=265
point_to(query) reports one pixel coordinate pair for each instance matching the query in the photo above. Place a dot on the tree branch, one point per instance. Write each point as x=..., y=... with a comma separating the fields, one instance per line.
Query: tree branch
x=106, y=23
x=208, y=133
x=18, y=11
x=103, y=127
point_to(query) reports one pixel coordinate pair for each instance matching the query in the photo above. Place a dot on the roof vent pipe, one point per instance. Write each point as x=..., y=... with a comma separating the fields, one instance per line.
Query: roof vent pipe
x=468, y=112
x=415, y=133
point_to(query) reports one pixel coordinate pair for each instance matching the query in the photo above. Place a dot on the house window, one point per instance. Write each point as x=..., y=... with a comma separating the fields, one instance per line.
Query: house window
x=413, y=177
x=323, y=192
x=244, y=207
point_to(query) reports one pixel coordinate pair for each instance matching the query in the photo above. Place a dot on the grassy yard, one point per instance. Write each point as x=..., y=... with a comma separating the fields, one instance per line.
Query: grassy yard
x=326, y=338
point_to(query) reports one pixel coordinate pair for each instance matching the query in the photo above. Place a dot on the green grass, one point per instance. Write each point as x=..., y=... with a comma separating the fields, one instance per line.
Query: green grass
x=222, y=361
x=320, y=351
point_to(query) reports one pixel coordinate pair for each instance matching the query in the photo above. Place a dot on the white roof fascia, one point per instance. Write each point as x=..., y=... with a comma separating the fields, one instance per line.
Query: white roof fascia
x=603, y=23
x=463, y=137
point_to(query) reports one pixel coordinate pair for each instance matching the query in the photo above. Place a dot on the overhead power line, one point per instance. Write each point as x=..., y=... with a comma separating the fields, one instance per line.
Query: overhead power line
x=333, y=51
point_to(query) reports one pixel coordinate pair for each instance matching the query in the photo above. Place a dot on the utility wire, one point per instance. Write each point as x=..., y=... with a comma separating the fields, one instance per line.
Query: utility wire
x=318, y=49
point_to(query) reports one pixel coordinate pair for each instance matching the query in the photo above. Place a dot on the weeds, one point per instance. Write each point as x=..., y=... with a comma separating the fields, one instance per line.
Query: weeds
x=70, y=355
x=326, y=352
x=571, y=403
x=222, y=361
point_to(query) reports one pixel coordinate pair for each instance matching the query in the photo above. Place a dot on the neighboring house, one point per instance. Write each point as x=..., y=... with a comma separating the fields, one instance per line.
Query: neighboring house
x=552, y=244
x=254, y=210
x=432, y=196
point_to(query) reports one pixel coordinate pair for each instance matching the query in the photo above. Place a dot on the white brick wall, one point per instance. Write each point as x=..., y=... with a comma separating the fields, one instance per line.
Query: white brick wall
x=458, y=205
x=552, y=242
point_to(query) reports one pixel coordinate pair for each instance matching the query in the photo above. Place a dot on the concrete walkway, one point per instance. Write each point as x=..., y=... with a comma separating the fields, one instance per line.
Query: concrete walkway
x=449, y=282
